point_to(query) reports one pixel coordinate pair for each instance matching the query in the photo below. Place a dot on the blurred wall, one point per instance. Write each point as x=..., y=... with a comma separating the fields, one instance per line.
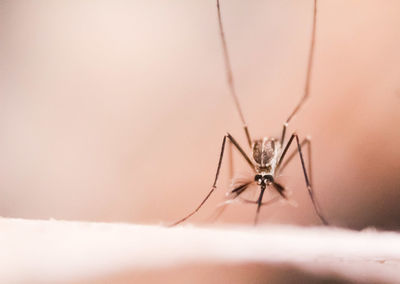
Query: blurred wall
x=115, y=110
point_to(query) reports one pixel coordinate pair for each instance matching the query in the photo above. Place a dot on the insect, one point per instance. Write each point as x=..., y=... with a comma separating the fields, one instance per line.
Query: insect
x=267, y=157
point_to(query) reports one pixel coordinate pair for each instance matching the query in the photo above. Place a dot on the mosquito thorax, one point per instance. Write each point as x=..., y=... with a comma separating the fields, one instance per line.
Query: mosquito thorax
x=265, y=151
x=263, y=178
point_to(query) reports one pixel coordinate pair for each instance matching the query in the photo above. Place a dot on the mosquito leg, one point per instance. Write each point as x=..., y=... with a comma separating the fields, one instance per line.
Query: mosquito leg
x=308, y=183
x=272, y=200
x=235, y=192
x=280, y=189
x=243, y=153
x=239, y=190
x=278, y=166
x=293, y=154
x=230, y=161
x=246, y=130
x=309, y=66
x=231, y=139
x=307, y=141
x=218, y=212
x=285, y=125
x=212, y=188
x=229, y=74
x=309, y=188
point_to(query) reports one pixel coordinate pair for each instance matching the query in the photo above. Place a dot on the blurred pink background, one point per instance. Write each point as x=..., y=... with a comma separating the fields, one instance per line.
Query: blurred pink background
x=115, y=110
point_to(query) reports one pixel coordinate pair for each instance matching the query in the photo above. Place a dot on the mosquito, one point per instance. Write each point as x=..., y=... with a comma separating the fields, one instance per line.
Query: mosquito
x=267, y=155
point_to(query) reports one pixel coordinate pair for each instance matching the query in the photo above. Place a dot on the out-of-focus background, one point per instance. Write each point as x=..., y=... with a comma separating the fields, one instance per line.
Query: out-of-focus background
x=115, y=110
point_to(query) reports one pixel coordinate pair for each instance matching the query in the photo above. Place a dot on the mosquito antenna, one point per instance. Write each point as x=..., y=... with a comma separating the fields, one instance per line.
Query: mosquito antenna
x=229, y=74
x=309, y=65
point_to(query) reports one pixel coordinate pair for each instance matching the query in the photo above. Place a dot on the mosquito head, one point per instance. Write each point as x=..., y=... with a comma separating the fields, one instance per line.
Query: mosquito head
x=263, y=179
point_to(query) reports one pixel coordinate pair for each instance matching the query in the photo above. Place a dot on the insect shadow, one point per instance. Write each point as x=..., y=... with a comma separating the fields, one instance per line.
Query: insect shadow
x=267, y=157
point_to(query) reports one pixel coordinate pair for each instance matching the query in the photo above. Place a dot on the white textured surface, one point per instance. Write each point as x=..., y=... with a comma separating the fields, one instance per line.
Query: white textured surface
x=51, y=251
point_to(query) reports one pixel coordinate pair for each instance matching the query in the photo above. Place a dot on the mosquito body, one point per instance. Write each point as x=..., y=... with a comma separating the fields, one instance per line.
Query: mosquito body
x=267, y=155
